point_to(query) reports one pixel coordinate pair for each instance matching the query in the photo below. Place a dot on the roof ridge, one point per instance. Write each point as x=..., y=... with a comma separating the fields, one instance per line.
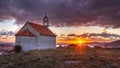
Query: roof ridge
x=43, y=30
x=36, y=23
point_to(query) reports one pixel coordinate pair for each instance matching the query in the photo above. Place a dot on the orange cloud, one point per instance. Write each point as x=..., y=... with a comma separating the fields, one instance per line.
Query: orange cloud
x=7, y=39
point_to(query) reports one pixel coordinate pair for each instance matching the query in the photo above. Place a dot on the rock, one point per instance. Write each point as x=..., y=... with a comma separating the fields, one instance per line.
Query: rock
x=71, y=61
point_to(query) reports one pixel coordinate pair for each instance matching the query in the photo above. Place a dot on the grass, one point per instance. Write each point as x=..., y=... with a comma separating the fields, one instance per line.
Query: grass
x=88, y=58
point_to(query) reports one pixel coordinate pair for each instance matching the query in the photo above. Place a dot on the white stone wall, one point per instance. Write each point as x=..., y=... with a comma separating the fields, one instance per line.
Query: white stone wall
x=47, y=42
x=27, y=43
x=41, y=42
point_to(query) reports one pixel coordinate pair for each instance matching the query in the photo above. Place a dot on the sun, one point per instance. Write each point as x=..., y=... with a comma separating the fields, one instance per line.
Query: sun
x=81, y=41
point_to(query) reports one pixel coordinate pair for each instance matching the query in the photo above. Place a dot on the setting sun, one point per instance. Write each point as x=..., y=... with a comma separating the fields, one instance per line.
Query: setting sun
x=81, y=41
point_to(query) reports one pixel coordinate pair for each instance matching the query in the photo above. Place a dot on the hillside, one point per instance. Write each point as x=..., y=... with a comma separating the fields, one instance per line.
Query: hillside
x=63, y=58
x=114, y=44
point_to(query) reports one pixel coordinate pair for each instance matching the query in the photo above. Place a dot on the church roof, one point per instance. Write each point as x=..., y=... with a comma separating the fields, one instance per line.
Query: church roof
x=43, y=30
x=25, y=33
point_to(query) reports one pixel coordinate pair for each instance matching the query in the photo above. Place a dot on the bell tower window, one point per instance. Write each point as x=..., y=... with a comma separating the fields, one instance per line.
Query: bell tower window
x=46, y=20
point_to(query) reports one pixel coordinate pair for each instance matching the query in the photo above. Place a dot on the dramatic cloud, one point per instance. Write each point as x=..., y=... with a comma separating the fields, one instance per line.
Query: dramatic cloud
x=101, y=36
x=63, y=12
x=104, y=36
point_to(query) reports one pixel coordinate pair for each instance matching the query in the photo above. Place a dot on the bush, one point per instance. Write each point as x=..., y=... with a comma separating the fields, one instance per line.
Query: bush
x=97, y=47
x=72, y=46
x=17, y=48
x=60, y=46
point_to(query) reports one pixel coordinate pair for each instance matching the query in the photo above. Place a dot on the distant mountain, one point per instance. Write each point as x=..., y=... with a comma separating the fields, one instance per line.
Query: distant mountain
x=114, y=44
x=93, y=44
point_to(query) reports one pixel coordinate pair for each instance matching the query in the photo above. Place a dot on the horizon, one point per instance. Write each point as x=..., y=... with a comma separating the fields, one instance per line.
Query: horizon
x=66, y=32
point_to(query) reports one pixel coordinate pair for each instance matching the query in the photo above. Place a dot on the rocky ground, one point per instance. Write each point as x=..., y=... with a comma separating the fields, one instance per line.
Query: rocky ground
x=63, y=58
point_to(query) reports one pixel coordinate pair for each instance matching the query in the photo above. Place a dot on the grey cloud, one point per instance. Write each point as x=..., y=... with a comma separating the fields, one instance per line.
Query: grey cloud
x=104, y=13
x=7, y=33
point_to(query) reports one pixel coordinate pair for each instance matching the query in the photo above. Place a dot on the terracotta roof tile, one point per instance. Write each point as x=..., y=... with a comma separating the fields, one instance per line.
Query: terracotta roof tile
x=42, y=29
x=25, y=33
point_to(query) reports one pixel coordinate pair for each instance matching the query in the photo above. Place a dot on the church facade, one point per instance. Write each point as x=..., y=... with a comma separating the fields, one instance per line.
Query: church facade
x=34, y=36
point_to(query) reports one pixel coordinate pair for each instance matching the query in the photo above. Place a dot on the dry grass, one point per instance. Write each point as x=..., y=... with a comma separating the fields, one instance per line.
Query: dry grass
x=86, y=58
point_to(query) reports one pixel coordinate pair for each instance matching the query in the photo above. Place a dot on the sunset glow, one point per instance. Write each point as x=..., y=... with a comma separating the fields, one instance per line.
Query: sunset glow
x=67, y=21
x=59, y=31
x=80, y=41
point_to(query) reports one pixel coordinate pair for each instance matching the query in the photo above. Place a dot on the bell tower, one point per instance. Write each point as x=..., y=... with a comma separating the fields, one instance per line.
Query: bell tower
x=46, y=20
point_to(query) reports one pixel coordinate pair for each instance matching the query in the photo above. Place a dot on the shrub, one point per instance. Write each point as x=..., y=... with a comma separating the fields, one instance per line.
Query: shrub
x=17, y=48
x=97, y=47
x=72, y=46
x=60, y=46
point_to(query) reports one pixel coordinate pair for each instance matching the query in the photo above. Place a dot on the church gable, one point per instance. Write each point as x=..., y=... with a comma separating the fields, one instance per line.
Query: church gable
x=29, y=28
x=25, y=33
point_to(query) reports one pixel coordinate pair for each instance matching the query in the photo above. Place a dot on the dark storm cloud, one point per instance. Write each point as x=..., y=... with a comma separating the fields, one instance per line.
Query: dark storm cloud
x=63, y=12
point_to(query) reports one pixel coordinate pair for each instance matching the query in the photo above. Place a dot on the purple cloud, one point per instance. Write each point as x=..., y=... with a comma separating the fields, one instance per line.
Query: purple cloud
x=104, y=13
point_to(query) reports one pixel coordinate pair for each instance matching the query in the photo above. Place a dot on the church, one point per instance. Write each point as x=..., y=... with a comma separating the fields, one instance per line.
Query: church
x=34, y=36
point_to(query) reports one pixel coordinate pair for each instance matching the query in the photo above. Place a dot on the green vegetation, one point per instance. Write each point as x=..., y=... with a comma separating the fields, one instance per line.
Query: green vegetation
x=17, y=48
x=56, y=58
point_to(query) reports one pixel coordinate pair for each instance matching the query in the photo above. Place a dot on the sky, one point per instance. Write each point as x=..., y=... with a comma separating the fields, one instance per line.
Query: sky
x=80, y=17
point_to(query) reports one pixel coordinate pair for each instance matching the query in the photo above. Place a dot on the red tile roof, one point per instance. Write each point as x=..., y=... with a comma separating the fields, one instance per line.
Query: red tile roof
x=43, y=30
x=25, y=33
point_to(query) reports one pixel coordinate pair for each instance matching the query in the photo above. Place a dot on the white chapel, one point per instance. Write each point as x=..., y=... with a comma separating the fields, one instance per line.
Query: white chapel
x=34, y=36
